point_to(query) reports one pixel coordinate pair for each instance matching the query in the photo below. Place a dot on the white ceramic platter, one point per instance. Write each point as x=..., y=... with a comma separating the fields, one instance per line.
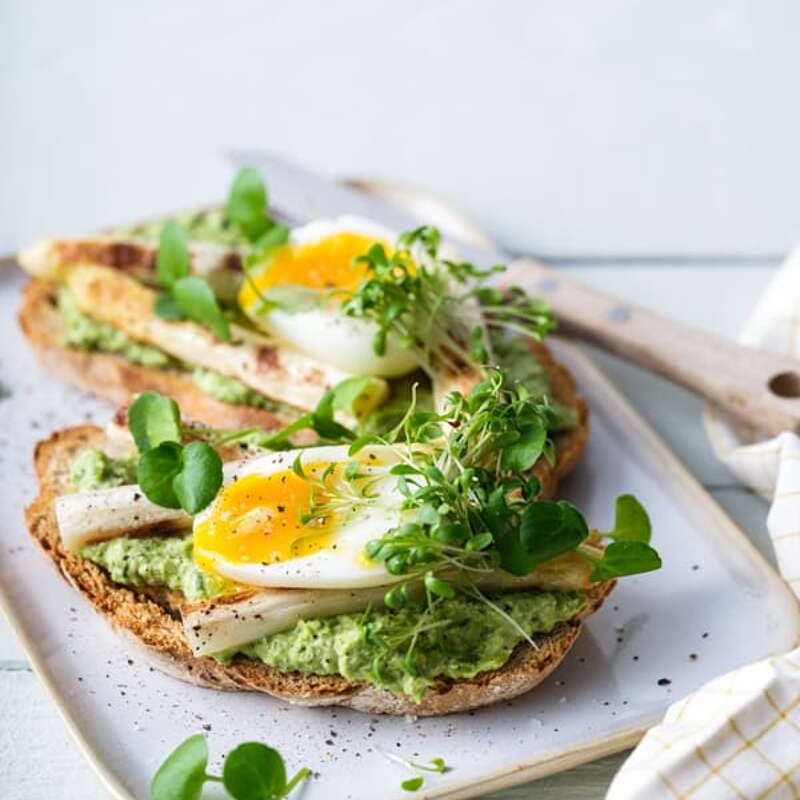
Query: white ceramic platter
x=715, y=605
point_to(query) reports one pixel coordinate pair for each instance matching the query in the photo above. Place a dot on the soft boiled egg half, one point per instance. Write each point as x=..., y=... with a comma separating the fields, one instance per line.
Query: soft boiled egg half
x=257, y=531
x=321, y=257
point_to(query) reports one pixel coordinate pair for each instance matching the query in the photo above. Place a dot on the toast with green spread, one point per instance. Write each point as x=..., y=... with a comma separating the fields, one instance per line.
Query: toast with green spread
x=150, y=614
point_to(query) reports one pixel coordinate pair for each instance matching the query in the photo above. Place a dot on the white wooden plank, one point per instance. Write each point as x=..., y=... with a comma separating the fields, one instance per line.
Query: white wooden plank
x=38, y=760
x=580, y=127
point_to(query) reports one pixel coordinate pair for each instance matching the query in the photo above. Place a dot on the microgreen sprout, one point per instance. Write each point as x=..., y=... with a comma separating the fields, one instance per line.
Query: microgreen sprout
x=465, y=476
x=438, y=308
x=251, y=771
x=435, y=765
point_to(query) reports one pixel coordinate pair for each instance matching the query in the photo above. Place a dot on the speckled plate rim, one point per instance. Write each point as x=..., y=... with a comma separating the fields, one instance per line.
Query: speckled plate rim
x=725, y=532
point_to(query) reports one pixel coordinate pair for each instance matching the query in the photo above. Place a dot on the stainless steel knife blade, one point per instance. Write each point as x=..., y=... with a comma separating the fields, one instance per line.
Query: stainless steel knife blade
x=300, y=195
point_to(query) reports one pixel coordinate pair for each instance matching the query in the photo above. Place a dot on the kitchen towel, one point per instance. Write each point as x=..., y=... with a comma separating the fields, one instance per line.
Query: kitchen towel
x=739, y=735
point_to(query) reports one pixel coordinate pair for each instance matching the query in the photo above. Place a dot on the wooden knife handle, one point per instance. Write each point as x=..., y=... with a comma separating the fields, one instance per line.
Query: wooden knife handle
x=756, y=387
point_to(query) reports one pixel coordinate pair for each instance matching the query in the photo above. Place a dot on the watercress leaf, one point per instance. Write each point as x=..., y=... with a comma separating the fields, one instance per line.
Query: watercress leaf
x=196, y=300
x=172, y=260
x=521, y=455
x=549, y=529
x=156, y=472
x=439, y=587
x=349, y=394
x=625, y=558
x=413, y=784
x=274, y=237
x=247, y=204
x=361, y=442
x=200, y=476
x=153, y=419
x=183, y=773
x=631, y=521
x=479, y=542
x=166, y=308
x=404, y=469
x=450, y=533
x=253, y=771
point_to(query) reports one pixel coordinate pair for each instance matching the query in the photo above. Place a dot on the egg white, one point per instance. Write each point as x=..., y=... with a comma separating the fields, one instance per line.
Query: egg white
x=326, y=333
x=346, y=566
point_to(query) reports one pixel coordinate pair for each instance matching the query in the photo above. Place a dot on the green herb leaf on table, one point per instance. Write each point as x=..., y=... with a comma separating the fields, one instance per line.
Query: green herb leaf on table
x=153, y=419
x=251, y=771
x=196, y=300
x=413, y=784
x=183, y=773
x=172, y=260
x=631, y=522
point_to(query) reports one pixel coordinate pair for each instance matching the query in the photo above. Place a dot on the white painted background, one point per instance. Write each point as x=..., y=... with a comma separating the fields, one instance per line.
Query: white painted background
x=648, y=147
x=566, y=126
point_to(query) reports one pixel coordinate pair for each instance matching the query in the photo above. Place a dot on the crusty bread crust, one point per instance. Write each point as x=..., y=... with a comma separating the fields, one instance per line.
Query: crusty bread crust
x=119, y=381
x=151, y=619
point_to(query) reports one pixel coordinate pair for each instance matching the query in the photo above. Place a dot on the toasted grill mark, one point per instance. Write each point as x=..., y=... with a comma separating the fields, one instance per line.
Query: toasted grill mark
x=267, y=357
x=315, y=376
x=124, y=256
x=232, y=261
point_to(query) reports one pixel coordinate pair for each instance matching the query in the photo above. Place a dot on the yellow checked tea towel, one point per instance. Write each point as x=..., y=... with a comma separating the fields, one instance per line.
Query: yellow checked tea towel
x=739, y=735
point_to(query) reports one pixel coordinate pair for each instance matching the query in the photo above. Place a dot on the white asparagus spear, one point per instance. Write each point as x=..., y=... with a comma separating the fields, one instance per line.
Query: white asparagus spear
x=50, y=257
x=263, y=364
x=228, y=622
x=105, y=513
x=100, y=514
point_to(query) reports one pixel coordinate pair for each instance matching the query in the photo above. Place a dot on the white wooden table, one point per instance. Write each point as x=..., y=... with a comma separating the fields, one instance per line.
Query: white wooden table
x=594, y=132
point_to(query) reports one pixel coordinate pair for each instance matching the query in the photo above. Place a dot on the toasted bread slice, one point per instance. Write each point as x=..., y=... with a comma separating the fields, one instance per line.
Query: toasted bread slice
x=118, y=380
x=151, y=619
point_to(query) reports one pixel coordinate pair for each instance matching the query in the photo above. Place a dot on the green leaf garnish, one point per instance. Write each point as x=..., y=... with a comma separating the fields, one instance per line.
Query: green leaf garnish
x=172, y=260
x=185, y=296
x=196, y=300
x=199, y=478
x=549, y=529
x=413, y=784
x=625, y=558
x=158, y=468
x=183, y=773
x=631, y=522
x=252, y=771
x=247, y=204
x=153, y=419
x=166, y=308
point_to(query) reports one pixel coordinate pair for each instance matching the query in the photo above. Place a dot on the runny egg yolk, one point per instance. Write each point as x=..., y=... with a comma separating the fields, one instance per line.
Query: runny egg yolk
x=329, y=263
x=258, y=519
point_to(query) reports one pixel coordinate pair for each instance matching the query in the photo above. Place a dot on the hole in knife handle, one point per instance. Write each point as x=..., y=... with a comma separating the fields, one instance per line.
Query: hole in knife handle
x=785, y=384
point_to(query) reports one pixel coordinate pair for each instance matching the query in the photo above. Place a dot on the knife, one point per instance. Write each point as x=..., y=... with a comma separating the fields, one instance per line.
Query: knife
x=757, y=388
